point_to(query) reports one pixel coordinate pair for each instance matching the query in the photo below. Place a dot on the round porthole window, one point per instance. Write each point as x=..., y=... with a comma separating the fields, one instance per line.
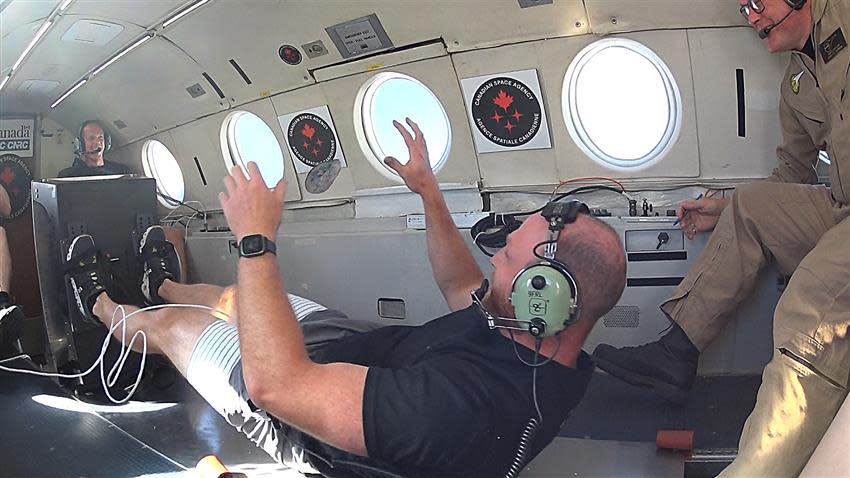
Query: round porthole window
x=160, y=164
x=246, y=137
x=621, y=104
x=393, y=96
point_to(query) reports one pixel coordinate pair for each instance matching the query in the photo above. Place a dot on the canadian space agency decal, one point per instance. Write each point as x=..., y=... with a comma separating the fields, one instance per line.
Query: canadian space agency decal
x=15, y=178
x=311, y=139
x=506, y=111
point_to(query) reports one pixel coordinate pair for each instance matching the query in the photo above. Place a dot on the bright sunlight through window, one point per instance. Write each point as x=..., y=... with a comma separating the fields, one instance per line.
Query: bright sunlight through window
x=621, y=104
x=394, y=96
x=159, y=163
x=245, y=138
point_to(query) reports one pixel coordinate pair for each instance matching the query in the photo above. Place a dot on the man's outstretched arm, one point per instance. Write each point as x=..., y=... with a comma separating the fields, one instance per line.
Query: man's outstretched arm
x=455, y=270
x=324, y=400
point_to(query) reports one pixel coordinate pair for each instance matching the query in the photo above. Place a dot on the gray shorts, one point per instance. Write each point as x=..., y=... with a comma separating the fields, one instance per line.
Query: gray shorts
x=215, y=371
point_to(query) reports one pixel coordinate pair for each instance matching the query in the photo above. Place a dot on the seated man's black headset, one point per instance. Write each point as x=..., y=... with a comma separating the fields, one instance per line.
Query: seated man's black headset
x=80, y=141
x=544, y=295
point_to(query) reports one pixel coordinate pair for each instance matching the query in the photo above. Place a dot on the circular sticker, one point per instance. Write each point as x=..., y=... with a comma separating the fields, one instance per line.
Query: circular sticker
x=311, y=139
x=506, y=111
x=15, y=177
x=320, y=178
x=289, y=54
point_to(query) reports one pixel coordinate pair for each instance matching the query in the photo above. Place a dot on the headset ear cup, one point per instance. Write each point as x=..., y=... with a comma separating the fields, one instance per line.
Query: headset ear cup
x=796, y=4
x=544, y=292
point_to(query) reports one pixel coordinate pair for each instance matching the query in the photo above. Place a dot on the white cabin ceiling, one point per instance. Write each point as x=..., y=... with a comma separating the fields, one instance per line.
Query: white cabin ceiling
x=147, y=88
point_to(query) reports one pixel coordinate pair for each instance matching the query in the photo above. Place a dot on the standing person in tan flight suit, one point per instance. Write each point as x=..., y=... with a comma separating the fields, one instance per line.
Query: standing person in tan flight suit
x=805, y=228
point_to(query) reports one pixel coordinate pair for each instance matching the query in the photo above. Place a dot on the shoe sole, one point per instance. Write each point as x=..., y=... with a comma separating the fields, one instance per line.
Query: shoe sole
x=79, y=301
x=73, y=243
x=145, y=239
x=666, y=391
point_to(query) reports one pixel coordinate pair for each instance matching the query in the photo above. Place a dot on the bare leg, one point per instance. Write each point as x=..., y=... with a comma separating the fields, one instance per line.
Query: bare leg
x=221, y=299
x=171, y=332
x=5, y=262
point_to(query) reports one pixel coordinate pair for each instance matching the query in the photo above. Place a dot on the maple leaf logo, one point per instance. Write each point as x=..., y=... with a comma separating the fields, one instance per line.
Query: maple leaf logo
x=503, y=100
x=7, y=176
x=308, y=131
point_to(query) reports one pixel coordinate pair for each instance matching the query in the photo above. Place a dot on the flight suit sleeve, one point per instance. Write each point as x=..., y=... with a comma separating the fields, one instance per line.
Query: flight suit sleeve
x=797, y=154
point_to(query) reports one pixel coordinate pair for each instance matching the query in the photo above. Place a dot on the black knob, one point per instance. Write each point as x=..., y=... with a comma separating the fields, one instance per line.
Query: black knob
x=663, y=238
x=538, y=282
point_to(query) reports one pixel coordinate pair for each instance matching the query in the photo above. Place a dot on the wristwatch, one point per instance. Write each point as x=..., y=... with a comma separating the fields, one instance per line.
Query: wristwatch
x=256, y=245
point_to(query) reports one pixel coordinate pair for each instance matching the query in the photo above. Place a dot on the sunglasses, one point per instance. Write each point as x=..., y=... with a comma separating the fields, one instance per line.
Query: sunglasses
x=751, y=6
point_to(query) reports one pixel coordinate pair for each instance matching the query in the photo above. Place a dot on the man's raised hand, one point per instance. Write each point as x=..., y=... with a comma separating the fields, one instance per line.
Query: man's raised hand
x=417, y=173
x=249, y=205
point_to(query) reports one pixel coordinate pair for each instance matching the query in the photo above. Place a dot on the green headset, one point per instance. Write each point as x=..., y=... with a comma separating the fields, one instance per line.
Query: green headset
x=544, y=295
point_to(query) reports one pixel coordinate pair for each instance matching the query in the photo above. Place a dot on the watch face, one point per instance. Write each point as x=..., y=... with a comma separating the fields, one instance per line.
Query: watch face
x=252, y=244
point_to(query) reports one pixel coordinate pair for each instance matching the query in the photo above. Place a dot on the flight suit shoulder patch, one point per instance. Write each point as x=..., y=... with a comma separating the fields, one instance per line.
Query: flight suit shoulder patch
x=833, y=45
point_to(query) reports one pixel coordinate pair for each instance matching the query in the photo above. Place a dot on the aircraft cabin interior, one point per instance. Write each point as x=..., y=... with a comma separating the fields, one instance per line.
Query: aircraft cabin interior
x=117, y=117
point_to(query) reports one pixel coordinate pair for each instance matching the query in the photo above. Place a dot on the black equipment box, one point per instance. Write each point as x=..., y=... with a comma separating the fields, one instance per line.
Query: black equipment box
x=114, y=211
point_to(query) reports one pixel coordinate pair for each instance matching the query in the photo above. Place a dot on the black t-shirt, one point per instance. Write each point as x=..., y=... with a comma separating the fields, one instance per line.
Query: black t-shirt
x=447, y=399
x=81, y=169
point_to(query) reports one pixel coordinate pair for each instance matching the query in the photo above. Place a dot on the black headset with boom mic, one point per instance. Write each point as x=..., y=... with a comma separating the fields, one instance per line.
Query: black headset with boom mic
x=794, y=4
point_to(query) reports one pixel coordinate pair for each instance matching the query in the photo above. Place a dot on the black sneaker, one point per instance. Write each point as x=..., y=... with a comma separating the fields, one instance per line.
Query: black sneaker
x=5, y=300
x=85, y=274
x=11, y=327
x=159, y=262
x=667, y=366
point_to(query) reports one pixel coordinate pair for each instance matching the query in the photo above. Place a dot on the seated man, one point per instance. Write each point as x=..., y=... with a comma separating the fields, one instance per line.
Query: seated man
x=11, y=316
x=93, y=142
x=450, y=398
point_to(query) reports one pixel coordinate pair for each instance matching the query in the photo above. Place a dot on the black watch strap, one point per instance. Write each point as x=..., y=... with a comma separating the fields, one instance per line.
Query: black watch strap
x=256, y=245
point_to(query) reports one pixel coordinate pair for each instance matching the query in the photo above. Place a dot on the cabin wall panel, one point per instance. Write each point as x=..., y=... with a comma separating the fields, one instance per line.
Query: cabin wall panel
x=439, y=75
x=202, y=139
x=611, y=16
x=251, y=33
x=717, y=53
x=565, y=160
x=302, y=99
x=199, y=139
x=148, y=94
x=56, y=147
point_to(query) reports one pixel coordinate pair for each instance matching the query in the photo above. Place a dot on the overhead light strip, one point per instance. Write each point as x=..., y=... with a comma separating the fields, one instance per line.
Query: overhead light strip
x=42, y=30
x=123, y=52
x=40, y=33
x=68, y=93
x=168, y=21
x=183, y=13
